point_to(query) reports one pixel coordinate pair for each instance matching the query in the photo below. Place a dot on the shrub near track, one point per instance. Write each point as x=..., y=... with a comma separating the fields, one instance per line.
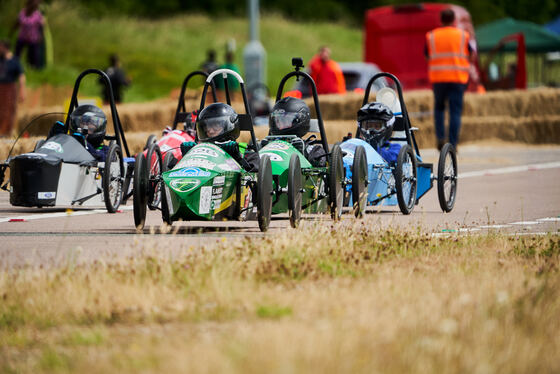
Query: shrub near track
x=327, y=297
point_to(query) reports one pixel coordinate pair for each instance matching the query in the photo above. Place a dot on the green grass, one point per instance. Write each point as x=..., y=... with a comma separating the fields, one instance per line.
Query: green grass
x=158, y=54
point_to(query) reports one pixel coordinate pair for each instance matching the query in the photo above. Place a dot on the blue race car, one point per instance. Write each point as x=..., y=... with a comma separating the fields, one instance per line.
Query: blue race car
x=383, y=163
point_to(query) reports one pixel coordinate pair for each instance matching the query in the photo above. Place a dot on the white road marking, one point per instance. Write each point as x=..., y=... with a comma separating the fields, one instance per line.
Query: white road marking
x=525, y=223
x=509, y=170
x=549, y=219
x=73, y=213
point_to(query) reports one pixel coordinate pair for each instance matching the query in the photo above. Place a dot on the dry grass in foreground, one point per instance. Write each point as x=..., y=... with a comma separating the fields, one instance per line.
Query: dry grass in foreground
x=326, y=298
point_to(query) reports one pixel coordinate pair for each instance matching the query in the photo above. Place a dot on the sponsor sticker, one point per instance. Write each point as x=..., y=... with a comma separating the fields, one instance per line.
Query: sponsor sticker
x=199, y=162
x=53, y=146
x=219, y=180
x=277, y=146
x=203, y=151
x=184, y=185
x=273, y=156
x=189, y=172
x=205, y=199
x=46, y=195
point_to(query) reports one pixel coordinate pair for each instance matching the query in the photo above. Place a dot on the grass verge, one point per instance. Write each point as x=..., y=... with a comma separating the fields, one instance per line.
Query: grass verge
x=326, y=298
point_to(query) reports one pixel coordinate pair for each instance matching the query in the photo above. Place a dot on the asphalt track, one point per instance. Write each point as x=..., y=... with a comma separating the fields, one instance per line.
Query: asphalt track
x=505, y=188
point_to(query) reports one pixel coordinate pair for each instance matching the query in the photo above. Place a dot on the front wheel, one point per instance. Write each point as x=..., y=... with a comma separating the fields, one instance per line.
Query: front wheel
x=264, y=193
x=139, y=191
x=405, y=179
x=152, y=139
x=336, y=182
x=294, y=191
x=113, y=178
x=359, y=181
x=447, y=177
x=154, y=166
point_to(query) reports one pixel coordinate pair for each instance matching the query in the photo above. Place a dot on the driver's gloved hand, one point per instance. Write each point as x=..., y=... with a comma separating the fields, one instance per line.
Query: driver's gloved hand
x=230, y=147
x=186, y=146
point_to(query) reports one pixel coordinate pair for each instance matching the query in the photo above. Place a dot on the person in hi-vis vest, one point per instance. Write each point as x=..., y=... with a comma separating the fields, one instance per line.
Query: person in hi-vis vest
x=448, y=51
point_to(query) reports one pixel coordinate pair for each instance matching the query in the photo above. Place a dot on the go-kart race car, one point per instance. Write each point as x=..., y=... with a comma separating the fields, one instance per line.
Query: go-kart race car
x=73, y=166
x=307, y=176
x=169, y=144
x=209, y=183
x=392, y=172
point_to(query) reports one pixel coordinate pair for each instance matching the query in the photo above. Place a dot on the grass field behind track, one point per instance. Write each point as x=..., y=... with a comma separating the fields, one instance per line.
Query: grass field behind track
x=343, y=297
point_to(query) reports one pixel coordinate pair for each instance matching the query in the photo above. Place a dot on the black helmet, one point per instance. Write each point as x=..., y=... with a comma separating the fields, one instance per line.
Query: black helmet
x=89, y=121
x=376, y=121
x=289, y=116
x=217, y=122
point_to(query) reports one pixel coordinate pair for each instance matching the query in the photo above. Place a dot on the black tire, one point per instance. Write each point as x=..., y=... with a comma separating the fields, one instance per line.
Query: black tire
x=166, y=161
x=406, y=180
x=113, y=178
x=154, y=167
x=151, y=140
x=359, y=181
x=447, y=177
x=264, y=193
x=294, y=190
x=39, y=144
x=165, y=216
x=139, y=191
x=336, y=182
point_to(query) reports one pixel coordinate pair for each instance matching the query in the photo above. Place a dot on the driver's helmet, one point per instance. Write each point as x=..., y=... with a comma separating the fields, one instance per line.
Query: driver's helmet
x=217, y=122
x=89, y=121
x=289, y=116
x=375, y=123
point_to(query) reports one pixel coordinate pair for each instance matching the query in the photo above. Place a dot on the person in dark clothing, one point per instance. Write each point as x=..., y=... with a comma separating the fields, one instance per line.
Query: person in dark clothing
x=12, y=88
x=210, y=64
x=118, y=79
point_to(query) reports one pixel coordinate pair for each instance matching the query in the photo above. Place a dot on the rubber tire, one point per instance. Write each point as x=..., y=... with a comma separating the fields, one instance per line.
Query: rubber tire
x=113, y=153
x=154, y=187
x=39, y=144
x=406, y=206
x=359, y=181
x=294, y=190
x=151, y=140
x=447, y=202
x=336, y=177
x=139, y=191
x=166, y=160
x=264, y=193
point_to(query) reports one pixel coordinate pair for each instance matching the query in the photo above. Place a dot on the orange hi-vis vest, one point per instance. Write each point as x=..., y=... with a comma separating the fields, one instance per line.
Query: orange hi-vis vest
x=448, y=55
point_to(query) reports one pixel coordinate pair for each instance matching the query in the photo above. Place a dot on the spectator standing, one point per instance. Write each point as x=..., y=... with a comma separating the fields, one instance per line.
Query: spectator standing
x=326, y=73
x=210, y=64
x=448, y=52
x=12, y=87
x=118, y=79
x=30, y=23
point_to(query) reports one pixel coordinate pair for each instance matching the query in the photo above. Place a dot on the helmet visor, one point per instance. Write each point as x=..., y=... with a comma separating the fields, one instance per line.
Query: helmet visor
x=91, y=122
x=283, y=120
x=370, y=124
x=211, y=127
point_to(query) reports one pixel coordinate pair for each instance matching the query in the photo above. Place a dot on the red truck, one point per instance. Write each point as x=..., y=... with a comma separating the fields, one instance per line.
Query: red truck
x=395, y=38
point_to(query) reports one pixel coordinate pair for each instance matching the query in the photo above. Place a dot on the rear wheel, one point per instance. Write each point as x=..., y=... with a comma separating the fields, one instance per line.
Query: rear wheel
x=264, y=193
x=113, y=178
x=139, y=191
x=167, y=161
x=405, y=179
x=336, y=182
x=165, y=216
x=151, y=140
x=359, y=181
x=447, y=177
x=294, y=191
x=153, y=163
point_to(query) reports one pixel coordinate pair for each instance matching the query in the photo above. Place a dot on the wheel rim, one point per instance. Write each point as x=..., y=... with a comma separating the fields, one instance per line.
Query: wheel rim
x=450, y=179
x=408, y=180
x=115, y=184
x=154, y=186
x=294, y=187
x=359, y=186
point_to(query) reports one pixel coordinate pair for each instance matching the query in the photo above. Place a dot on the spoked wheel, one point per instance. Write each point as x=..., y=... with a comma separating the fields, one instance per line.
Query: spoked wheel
x=151, y=140
x=405, y=179
x=336, y=182
x=264, y=193
x=139, y=191
x=294, y=190
x=113, y=178
x=447, y=177
x=153, y=163
x=359, y=181
x=165, y=216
